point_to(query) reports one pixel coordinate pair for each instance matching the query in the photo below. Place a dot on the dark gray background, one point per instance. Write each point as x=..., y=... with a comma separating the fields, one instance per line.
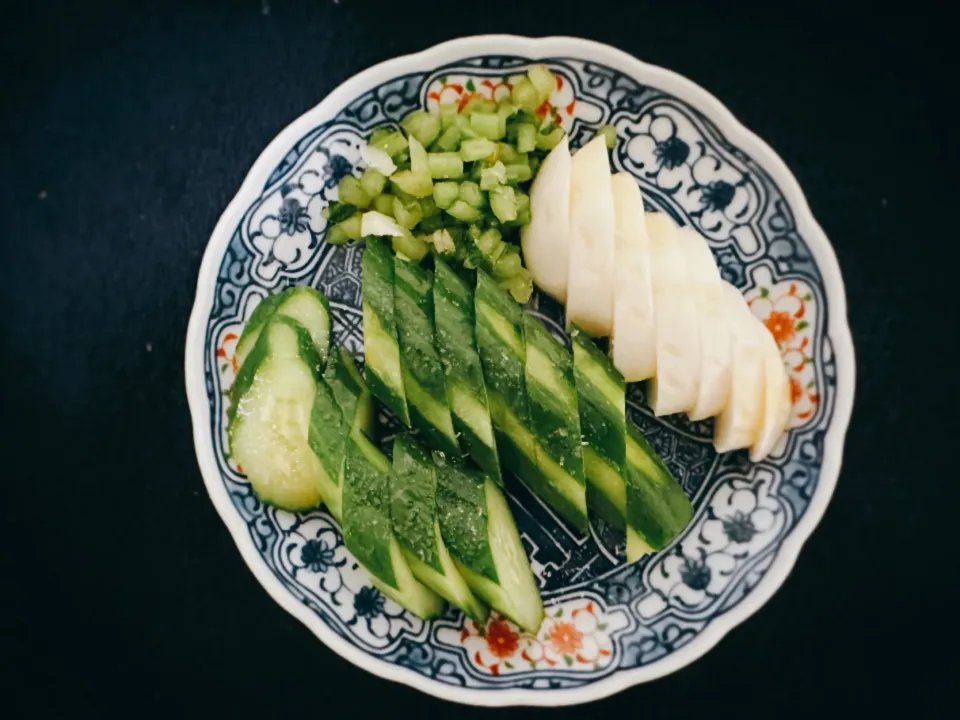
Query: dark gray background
x=124, y=132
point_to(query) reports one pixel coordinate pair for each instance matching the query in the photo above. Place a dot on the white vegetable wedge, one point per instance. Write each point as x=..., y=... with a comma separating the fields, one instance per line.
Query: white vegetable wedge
x=378, y=160
x=712, y=325
x=375, y=223
x=633, y=339
x=546, y=239
x=738, y=424
x=776, y=399
x=675, y=387
x=589, y=283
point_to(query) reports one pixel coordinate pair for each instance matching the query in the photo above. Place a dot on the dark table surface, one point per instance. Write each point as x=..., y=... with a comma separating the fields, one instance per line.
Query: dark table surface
x=125, y=131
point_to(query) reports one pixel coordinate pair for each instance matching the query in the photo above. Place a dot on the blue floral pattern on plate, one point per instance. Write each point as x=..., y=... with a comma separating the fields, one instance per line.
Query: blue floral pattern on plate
x=744, y=512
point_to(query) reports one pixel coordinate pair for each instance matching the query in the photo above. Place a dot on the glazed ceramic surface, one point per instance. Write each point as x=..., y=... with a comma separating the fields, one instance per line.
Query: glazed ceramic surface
x=609, y=625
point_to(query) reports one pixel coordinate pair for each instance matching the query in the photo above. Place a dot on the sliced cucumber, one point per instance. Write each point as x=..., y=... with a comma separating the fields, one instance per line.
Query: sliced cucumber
x=413, y=512
x=482, y=537
x=269, y=423
x=342, y=406
x=304, y=304
x=602, y=405
x=554, y=418
x=465, y=388
x=503, y=358
x=657, y=507
x=368, y=531
x=381, y=348
x=420, y=366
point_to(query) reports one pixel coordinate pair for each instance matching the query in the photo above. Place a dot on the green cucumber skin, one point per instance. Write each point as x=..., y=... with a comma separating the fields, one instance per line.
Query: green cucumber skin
x=419, y=360
x=271, y=305
x=328, y=431
x=413, y=506
x=260, y=352
x=351, y=392
x=657, y=507
x=553, y=413
x=606, y=490
x=378, y=307
x=462, y=512
x=367, y=529
x=457, y=346
x=503, y=359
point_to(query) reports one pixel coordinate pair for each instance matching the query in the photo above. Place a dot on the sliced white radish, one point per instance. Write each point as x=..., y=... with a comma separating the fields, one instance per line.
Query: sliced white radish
x=675, y=387
x=546, y=239
x=378, y=160
x=591, y=272
x=776, y=401
x=375, y=223
x=633, y=339
x=738, y=424
x=712, y=325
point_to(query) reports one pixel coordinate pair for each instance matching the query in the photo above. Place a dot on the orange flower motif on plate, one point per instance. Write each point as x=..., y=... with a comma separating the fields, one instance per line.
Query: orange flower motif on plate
x=501, y=640
x=565, y=638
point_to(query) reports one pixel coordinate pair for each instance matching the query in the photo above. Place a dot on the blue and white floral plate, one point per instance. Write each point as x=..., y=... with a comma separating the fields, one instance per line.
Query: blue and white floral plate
x=609, y=625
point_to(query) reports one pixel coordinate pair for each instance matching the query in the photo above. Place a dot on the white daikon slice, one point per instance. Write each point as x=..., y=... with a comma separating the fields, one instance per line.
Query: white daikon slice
x=715, y=343
x=633, y=340
x=546, y=239
x=590, y=279
x=675, y=387
x=738, y=424
x=375, y=223
x=776, y=403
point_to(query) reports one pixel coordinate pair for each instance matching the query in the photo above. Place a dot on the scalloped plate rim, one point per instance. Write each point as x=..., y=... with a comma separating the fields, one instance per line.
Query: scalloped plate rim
x=838, y=332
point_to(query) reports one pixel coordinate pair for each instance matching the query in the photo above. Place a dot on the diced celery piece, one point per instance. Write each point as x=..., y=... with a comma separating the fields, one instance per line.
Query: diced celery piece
x=462, y=210
x=345, y=231
x=408, y=214
x=488, y=241
x=508, y=154
x=492, y=176
x=519, y=285
x=549, y=140
x=416, y=184
x=350, y=191
x=428, y=206
x=470, y=194
x=525, y=95
x=518, y=173
x=449, y=139
x=448, y=113
x=508, y=265
x=410, y=246
x=445, y=193
x=523, y=207
x=534, y=164
x=391, y=142
x=383, y=203
x=476, y=149
x=503, y=202
x=373, y=182
x=445, y=165
x=418, y=158
x=543, y=80
x=423, y=126
x=526, y=137
x=479, y=105
x=506, y=110
x=609, y=133
x=462, y=123
x=488, y=126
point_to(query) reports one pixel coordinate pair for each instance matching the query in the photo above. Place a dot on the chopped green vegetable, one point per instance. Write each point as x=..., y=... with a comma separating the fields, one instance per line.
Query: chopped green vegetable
x=423, y=126
x=417, y=185
x=543, y=80
x=462, y=210
x=476, y=149
x=492, y=176
x=444, y=193
x=408, y=214
x=549, y=140
x=350, y=191
x=503, y=202
x=525, y=95
x=487, y=126
x=345, y=231
x=390, y=141
x=448, y=114
x=449, y=140
x=517, y=173
x=337, y=212
x=384, y=204
x=373, y=181
x=410, y=247
x=526, y=137
x=470, y=193
x=445, y=165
